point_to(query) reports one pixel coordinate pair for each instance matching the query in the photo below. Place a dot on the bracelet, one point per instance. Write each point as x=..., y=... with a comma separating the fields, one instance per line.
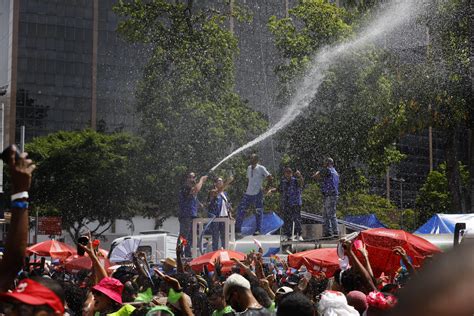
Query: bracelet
x=19, y=204
x=20, y=195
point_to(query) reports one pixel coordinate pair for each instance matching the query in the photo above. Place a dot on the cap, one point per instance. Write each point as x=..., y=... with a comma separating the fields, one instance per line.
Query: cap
x=33, y=293
x=110, y=287
x=235, y=280
x=170, y=262
x=284, y=290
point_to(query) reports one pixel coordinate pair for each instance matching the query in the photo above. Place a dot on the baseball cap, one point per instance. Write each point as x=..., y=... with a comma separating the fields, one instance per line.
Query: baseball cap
x=33, y=293
x=284, y=290
x=110, y=287
x=235, y=280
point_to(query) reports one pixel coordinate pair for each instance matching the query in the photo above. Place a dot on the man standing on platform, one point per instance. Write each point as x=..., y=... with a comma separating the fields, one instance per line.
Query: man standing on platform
x=330, y=190
x=291, y=201
x=256, y=173
x=188, y=207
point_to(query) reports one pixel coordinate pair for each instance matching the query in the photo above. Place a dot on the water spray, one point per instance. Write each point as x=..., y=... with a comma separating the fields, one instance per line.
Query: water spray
x=392, y=16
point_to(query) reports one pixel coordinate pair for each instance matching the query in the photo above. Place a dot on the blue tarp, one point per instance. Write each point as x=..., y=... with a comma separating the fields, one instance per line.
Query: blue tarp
x=369, y=220
x=270, y=223
x=444, y=223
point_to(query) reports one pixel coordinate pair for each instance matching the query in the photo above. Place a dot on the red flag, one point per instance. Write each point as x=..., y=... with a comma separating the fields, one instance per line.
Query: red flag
x=182, y=241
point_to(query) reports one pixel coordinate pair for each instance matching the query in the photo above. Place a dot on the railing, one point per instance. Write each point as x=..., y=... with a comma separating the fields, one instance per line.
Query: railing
x=198, y=228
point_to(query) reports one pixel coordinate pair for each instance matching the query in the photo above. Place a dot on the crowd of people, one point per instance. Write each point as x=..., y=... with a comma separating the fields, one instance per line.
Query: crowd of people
x=249, y=287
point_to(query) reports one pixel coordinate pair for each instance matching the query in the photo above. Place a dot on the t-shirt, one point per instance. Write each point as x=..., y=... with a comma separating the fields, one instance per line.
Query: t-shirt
x=226, y=311
x=188, y=202
x=330, y=185
x=256, y=176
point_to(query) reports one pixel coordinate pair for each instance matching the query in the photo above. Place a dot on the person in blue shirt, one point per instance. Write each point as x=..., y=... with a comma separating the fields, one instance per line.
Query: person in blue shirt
x=290, y=189
x=330, y=189
x=219, y=207
x=188, y=207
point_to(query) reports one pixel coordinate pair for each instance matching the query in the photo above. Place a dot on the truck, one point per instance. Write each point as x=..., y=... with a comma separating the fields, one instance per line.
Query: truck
x=157, y=245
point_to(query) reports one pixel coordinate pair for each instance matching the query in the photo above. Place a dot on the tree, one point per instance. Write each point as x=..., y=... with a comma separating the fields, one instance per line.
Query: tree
x=190, y=115
x=438, y=91
x=435, y=196
x=86, y=176
x=343, y=119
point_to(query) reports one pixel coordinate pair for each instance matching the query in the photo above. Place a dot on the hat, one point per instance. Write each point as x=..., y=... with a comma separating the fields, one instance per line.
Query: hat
x=169, y=261
x=235, y=280
x=33, y=293
x=335, y=303
x=201, y=281
x=110, y=287
x=284, y=290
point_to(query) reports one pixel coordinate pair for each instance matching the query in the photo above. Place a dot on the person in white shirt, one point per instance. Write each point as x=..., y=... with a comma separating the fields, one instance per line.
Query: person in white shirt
x=256, y=174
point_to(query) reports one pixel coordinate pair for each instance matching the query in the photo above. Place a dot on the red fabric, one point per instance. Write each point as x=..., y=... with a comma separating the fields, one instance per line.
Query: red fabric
x=316, y=260
x=76, y=263
x=208, y=259
x=33, y=293
x=51, y=248
x=380, y=242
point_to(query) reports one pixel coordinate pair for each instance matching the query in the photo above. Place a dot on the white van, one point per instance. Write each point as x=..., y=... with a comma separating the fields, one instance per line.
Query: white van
x=156, y=245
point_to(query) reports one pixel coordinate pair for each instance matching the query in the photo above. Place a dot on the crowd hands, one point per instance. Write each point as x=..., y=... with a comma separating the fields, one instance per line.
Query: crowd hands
x=251, y=287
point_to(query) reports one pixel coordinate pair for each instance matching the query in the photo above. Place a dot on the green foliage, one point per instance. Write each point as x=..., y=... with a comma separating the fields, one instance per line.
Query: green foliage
x=312, y=24
x=434, y=196
x=362, y=203
x=86, y=176
x=190, y=116
x=345, y=117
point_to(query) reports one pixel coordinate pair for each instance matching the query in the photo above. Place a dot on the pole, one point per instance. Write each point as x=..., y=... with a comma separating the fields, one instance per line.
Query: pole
x=2, y=122
x=22, y=138
x=388, y=183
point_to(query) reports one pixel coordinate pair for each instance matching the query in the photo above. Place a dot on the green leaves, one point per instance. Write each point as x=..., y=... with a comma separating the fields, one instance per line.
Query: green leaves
x=87, y=176
x=191, y=117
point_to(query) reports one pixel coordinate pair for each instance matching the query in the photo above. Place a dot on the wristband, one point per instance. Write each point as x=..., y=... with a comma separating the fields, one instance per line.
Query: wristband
x=174, y=296
x=19, y=204
x=20, y=195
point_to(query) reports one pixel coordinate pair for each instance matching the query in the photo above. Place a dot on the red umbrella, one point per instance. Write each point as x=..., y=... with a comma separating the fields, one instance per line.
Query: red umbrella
x=316, y=260
x=380, y=242
x=51, y=248
x=208, y=259
x=76, y=263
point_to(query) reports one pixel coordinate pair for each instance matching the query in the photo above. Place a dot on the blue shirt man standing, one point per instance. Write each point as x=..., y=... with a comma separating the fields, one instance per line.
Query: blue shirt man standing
x=330, y=190
x=188, y=207
x=291, y=202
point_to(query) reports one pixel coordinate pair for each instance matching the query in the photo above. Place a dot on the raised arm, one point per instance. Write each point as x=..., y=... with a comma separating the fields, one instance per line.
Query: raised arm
x=299, y=178
x=21, y=170
x=99, y=269
x=358, y=265
x=198, y=186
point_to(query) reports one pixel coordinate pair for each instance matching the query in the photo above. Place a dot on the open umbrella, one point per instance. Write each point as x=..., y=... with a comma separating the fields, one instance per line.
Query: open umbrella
x=51, y=248
x=380, y=242
x=76, y=263
x=124, y=250
x=208, y=259
x=317, y=260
